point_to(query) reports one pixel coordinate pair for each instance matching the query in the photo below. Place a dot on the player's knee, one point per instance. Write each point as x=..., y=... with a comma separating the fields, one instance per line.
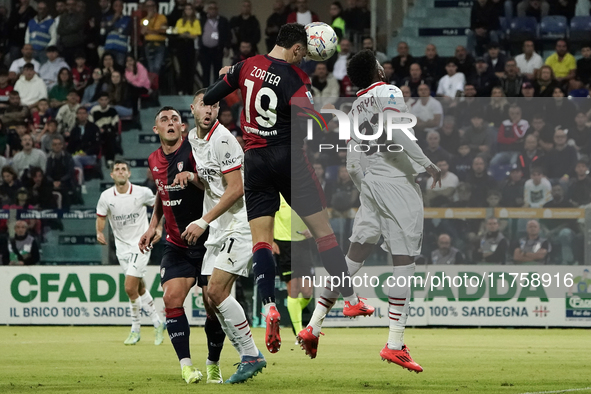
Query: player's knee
x=216, y=293
x=131, y=289
x=173, y=298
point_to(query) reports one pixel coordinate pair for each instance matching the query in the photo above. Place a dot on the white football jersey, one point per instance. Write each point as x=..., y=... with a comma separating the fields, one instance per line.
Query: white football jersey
x=127, y=215
x=379, y=98
x=215, y=155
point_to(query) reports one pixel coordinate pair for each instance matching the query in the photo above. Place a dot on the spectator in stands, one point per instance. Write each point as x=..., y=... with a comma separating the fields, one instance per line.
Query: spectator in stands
x=244, y=52
x=117, y=31
x=189, y=29
x=402, y=61
x=415, y=79
x=529, y=105
x=213, y=43
x=10, y=183
x=109, y=65
x=41, y=32
x=50, y=70
x=462, y=162
x=14, y=113
x=445, y=253
x=481, y=182
x=340, y=65
x=92, y=91
x=580, y=134
x=584, y=65
x=81, y=73
x=530, y=155
x=464, y=108
x=496, y=59
x=433, y=150
x=562, y=62
x=107, y=120
x=484, y=25
x=60, y=9
x=493, y=245
x=484, y=79
x=511, y=134
x=48, y=135
x=324, y=85
x=153, y=30
x=30, y=87
x=406, y=95
x=441, y=196
x=39, y=190
x=357, y=18
x=562, y=159
x=277, y=19
x=176, y=13
x=71, y=31
x=40, y=119
x=564, y=8
x=121, y=95
x=537, y=190
x=60, y=170
x=512, y=189
x=28, y=157
x=5, y=87
x=137, y=75
x=342, y=197
x=337, y=22
x=529, y=62
x=432, y=65
x=512, y=82
x=16, y=26
x=319, y=171
x=544, y=133
x=369, y=44
x=245, y=27
x=450, y=136
x=560, y=231
x=563, y=109
x=545, y=82
x=58, y=95
x=580, y=186
x=533, y=8
x=23, y=248
x=303, y=15
x=465, y=61
x=389, y=74
x=533, y=248
x=84, y=143
x=477, y=136
x=497, y=109
x=427, y=109
x=16, y=67
x=452, y=84
x=66, y=116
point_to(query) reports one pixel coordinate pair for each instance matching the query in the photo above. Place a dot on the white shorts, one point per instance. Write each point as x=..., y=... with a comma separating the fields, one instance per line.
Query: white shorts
x=392, y=208
x=134, y=264
x=228, y=250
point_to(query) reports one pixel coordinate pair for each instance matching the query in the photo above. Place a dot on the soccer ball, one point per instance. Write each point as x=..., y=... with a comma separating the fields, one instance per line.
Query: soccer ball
x=322, y=41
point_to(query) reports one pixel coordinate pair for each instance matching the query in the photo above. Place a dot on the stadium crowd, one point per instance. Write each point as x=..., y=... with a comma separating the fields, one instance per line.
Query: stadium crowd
x=507, y=129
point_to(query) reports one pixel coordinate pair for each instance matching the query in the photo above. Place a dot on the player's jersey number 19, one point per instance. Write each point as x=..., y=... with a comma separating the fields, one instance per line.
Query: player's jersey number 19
x=266, y=118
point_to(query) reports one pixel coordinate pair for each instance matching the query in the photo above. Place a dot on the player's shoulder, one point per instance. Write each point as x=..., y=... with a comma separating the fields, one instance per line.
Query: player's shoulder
x=221, y=133
x=301, y=74
x=107, y=193
x=139, y=189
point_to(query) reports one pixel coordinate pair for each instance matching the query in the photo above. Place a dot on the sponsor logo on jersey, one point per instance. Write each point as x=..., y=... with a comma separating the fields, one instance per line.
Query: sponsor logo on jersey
x=172, y=203
x=155, y=169
x=229, y=161
x=180, y=166
x=228, y=155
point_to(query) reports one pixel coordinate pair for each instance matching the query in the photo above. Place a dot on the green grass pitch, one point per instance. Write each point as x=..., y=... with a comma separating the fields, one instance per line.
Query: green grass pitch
x=94, y=360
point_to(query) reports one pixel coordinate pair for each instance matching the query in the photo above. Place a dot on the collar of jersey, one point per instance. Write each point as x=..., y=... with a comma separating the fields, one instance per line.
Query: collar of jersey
x=215, y=126
x=120, y=194
x=273, y=59
x=373, y=85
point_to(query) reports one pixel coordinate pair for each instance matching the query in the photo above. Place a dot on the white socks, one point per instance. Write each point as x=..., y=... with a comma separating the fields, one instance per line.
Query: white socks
x=328, y=297
x=398, y=300
x=148, y=306
x=135, y=306
x=267, y=307
x=185, y=361
x=229, y=333
x=237, y=326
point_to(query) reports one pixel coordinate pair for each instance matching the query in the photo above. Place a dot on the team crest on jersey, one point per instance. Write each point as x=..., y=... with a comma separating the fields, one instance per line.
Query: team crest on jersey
x=310, y=97
x=180, y=166
x=228, y=155
x=162, y=270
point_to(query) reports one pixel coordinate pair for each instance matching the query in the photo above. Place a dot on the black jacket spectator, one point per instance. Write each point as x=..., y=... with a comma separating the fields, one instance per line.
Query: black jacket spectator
x=433, y=68
x=274, y=23
x=584, y=69
x=246, y=29
x=560, y=162
x=484, y=16
x=484, y=82
x=17, y=24
x=512, y=191
x=40, y=190
x=89, y=142
x=580, y=191
x=60, y=167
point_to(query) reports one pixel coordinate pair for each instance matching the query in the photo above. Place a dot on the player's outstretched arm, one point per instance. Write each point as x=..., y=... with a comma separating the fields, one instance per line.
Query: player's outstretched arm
x=184, y=178
x=152, y=235
x=234, y=191
x=100, y=227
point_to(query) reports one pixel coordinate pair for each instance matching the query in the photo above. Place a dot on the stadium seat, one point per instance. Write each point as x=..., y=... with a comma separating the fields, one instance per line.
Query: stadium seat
x=553, y=27
x=580, y=26
x=523, y=28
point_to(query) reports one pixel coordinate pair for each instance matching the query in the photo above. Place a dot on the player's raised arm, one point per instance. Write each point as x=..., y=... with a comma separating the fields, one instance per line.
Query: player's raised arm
x=226, y=84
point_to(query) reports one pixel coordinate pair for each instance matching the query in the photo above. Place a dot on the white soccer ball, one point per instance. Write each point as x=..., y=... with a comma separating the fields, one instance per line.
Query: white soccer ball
x=322, y=41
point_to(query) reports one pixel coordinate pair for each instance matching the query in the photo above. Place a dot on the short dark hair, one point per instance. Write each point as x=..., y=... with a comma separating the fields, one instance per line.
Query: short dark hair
x=362, y=68
x=103, y=94
x=166, y=108
x=10, y=170
x=82, y=108
x=52, y=48
x=120, y=161
x=58, y=137
x=42, y=100
x=291, y=34
x=535, y=168
x=200, y=91
x=28, y=66
x=75, y=92
x=583, y=161
x=452, y=60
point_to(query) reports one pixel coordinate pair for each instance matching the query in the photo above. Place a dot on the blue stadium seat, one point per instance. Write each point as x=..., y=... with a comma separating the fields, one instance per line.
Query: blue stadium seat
x=553, y=27
x=580, y=26
x=522, y=28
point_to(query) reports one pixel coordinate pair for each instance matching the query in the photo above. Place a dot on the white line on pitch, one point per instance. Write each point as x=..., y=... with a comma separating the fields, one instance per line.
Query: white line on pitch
x=559, y=391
